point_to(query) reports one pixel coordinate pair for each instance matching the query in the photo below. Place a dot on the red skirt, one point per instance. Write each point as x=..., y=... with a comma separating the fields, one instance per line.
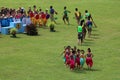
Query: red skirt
x=77, y=62
x=89, y=61
x=67, y=61
x=72, y=66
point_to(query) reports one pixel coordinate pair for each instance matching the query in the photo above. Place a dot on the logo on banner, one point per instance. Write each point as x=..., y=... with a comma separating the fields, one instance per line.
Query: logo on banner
x=18, y=25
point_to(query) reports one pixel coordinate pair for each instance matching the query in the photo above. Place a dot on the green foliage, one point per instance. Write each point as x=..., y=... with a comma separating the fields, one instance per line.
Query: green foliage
x=51, y=26
x=13, y=31
x=31, y=29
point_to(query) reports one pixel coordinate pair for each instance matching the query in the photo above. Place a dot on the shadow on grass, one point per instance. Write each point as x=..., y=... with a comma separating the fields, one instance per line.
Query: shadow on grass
x=79, y=71
x=85, y=70
x=72, y=24
x=89, y=39
x=58, y=23
x=88, y=43
x=54, y=31
x=95, y=34
x=94, y=30
x=32, y=35
x=45, y=27
x=15, y=37
x=95, y=37
x=68, y=24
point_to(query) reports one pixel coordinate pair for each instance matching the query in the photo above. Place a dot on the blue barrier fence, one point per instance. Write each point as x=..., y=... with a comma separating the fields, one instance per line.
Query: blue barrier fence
x=7, y=23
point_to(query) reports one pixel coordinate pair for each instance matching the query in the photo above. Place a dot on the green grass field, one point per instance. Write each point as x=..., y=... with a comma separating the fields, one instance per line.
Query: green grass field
x=38, y=57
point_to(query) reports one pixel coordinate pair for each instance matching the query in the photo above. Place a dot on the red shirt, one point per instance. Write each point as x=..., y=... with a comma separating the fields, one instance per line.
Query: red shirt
x=43, y=15
x=37, y=16
x=31, y=14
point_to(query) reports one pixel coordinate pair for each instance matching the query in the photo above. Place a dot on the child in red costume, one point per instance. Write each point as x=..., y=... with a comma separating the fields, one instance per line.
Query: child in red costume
x=89, y=60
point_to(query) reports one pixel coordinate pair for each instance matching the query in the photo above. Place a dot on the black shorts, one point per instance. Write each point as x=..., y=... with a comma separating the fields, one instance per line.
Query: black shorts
x=65, y=17
x=80, y=35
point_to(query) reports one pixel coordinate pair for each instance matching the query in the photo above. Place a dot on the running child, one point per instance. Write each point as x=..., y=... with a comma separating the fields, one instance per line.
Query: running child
x=52, y=12
x=89, y=26
x=80, y=35
x=65, y=15
x=84, y=29
x=77, y=15
x=88, y=15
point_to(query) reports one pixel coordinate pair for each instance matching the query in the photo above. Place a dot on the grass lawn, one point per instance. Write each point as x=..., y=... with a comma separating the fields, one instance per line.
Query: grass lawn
x=38, y=57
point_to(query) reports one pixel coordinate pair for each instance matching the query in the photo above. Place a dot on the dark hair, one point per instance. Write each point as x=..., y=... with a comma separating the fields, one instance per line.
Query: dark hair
x=65, y=7
x=76, y=9
x=73, y=52
x=81, y=23
x=68, y=47
x=40, y=9
x=78, y=50
x=89, y=17
x=89, y=50
x=34, y=6
x=86, y=11
x=75, y=47
x=51, y=6
x=71, y=57
x=72, y=49
x=82, y=51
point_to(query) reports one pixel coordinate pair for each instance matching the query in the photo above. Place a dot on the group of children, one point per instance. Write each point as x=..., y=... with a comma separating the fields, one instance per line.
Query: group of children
x=75, y=58
x=85, y=23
